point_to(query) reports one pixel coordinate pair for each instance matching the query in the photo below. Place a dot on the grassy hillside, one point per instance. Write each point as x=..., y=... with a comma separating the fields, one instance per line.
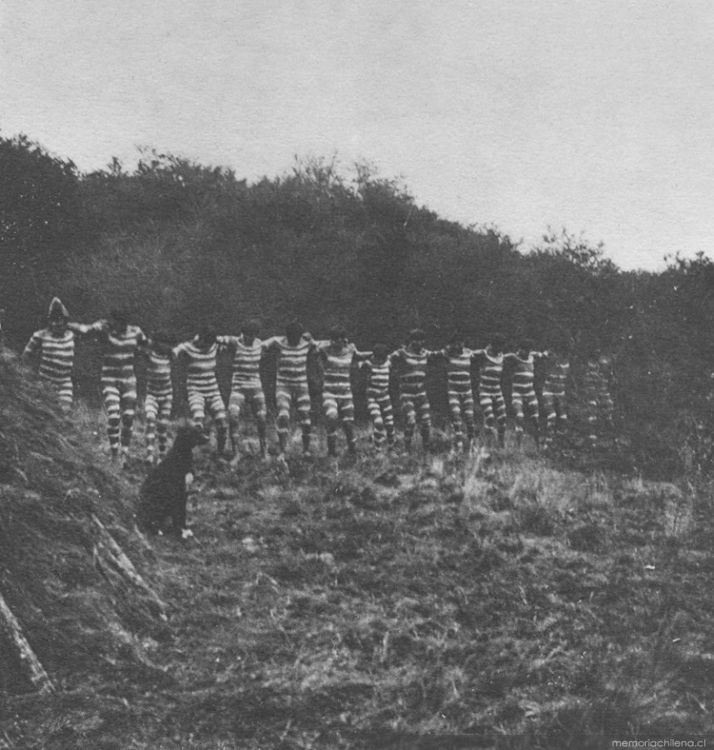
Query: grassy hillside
x=341, y=604
x=58, y=504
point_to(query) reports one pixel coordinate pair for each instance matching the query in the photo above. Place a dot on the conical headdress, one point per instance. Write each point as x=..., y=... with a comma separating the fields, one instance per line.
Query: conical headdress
x=57, y=309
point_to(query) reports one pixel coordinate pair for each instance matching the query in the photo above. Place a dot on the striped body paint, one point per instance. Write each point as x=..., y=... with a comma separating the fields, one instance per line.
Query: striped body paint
x=460, y=393
x=379, y=402
x=490, y=392
x=56, y=360
x=201, y=383
x=246, y=386
x=523, y=396
x=158, y=402
x=118, y=379
x=291, y=386
x=246, y=360
x=554, y=392
x=600, y=406
x=412, y=380
x=337, y=400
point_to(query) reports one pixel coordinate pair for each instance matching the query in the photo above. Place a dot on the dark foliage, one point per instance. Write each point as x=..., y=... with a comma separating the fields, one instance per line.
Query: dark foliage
x=40, y=226
x=181, y=244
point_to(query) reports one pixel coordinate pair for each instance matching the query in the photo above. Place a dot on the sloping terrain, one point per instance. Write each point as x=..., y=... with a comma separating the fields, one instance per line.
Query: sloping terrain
x=65, y=530
x=358, y=604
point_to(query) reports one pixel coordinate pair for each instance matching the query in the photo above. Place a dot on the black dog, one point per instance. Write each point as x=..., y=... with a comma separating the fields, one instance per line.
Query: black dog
x=163, y=495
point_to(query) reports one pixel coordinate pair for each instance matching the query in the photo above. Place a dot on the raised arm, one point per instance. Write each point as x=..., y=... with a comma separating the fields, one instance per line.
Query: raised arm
x=361, y=356
x=179, y=350
x=33, y=347
x=270, y=344
x=307, y=336
x=88, y=329
x=144, y=347
x=227, y=342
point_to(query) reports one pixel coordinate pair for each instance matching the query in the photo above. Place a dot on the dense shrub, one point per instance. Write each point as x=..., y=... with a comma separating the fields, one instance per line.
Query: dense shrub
x=181, y=244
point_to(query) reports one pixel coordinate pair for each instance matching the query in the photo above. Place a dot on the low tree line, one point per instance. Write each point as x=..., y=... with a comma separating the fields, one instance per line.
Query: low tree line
x=179, y=244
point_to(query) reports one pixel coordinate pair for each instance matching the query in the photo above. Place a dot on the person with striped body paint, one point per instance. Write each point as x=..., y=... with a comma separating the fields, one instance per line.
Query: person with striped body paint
x=379, y=401
x=246, y=386
x=119, y=341
x=410, y=362
x=200, y=354
x=600, y=406
x=459, y=361
x=54, y=348
x=490, y=393
x=159, y=395
x=338, y=355
x=291, y=385
x=523, y=396
x=554, y=391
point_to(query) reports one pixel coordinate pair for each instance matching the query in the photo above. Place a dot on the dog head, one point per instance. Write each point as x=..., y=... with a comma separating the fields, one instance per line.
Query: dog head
x=191, y=435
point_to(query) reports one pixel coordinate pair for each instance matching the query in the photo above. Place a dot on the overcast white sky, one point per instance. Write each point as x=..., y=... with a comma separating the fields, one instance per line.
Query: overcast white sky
x=595, y=115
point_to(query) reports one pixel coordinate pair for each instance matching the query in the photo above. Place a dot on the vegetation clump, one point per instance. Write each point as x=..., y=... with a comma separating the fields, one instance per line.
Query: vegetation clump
x=66, y=528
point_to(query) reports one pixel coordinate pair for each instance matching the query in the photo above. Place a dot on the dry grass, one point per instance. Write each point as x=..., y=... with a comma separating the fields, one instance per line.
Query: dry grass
x=353, y=603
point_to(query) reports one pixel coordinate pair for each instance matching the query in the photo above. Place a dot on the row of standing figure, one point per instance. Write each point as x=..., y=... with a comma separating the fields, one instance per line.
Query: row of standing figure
x=54, y=348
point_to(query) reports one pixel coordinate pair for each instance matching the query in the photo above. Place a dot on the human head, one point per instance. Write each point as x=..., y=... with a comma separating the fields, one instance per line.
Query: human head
x=380, y=353
x=293, y=332
x=497, y=341
x=338, y=335
x=417, y=338
x=455, y=342
x=161, y=342
x=250, y=329
x=118, y=320
x=526, y=346
x=206, y=337
x=57, y=316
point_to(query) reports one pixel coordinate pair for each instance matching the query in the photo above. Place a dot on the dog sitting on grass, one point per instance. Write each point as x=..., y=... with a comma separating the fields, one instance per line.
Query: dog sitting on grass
x=164, y=493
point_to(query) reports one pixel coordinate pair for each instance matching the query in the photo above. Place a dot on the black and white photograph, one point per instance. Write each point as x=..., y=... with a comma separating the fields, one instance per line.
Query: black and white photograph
x=356, y=375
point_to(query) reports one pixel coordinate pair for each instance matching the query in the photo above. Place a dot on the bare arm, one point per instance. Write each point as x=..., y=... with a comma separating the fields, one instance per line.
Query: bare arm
x=270, y=344
x=360, y=356
x=179, y=350
x=227, y=342
x=33, y=347
x=88, y=329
